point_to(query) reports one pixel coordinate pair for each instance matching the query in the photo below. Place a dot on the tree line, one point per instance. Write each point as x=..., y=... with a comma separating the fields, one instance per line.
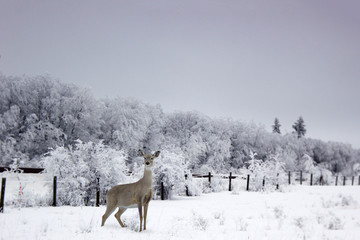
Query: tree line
x=39, y=115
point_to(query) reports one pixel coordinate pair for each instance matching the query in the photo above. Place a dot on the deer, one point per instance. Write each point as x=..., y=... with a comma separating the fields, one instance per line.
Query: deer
x=132, y=195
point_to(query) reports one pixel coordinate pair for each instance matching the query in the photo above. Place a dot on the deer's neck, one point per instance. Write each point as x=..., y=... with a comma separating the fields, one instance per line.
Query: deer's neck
x=147, y=178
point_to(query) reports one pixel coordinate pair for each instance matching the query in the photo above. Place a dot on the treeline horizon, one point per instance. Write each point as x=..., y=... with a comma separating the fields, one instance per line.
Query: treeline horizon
x=39, y=114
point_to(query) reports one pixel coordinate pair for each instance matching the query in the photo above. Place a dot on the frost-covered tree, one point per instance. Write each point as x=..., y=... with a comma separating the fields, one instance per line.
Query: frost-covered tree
x=188, y=131
x=78, y=168
x=319, y=172
x=131, y=125
x=170, y=169
x=274, y=170
x=10, y=126
x=40, y=113
x=276, y=126
x=299, y=127
x=72, y=175
x=270, y=172
x=255, y=169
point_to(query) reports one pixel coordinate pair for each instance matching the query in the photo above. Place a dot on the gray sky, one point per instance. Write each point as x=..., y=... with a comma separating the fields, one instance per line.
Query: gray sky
x=249, y=60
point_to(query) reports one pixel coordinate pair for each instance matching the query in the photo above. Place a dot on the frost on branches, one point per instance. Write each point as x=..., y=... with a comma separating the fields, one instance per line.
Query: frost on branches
x=78, y=168
x=271, y=171
x=169, y=168
x=308, y=165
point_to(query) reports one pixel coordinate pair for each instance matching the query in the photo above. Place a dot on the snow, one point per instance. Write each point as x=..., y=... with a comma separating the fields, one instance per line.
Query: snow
x=297, y=212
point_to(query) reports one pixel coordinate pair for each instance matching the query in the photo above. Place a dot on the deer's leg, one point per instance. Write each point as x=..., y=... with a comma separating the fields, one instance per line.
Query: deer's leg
x=110, y=208
x=140, y=214
x=118, y=214
x=145, y=214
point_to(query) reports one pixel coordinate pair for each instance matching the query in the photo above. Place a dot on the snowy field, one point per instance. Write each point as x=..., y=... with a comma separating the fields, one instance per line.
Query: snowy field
x=298, y=212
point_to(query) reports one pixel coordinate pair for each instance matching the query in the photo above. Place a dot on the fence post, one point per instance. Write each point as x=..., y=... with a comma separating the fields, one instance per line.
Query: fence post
x=230, y=181
x=289, y=177
x=54, y=191
x=311, y=179
x=247, y=182
x=359, y=180
x=210, y=179
x=321, y=180
x=344, y=180
x=97, y=204
x=186, y=186
x=264, y=181
x=336, y=180
x=2, y=198
x=352, y=181
x=300, y=177
x=162, y=191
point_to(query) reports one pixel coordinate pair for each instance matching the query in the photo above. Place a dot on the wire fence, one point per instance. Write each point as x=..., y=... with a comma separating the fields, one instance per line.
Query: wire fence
x=289, y=178
x=42, y=189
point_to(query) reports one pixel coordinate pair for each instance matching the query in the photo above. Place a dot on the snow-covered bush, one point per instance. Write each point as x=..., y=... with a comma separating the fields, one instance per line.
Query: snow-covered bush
x=256, y=172
x=272, y=171
x=241, y=224
x=356, y=169
x=217, y=184
x=319, y=171
x=193, y=186
x=169, y=169
x=79, y=167
x=330, y=221
x=199, y=221
x=70, y=173
x=275, y=174
x=104, y=162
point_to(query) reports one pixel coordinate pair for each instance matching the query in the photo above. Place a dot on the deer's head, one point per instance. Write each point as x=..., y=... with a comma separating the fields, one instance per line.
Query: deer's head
x=149, y=159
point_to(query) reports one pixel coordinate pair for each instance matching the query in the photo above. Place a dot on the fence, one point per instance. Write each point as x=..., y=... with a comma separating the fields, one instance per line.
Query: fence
x=292, y=178
x=51, y=185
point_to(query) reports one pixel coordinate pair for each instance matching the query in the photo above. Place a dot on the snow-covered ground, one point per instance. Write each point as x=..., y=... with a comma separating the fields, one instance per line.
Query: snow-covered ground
x=299, y=212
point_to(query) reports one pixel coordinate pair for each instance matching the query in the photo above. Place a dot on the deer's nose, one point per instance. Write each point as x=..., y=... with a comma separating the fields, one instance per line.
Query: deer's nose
x=147, y=163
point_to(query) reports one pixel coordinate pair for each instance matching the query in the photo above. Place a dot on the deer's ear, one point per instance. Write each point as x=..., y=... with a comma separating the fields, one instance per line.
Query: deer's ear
x=157, y=153
x=140, y=152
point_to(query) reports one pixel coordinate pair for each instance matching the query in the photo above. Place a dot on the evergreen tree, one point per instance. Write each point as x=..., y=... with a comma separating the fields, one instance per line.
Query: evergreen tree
x=299, y=127
x=276, y=126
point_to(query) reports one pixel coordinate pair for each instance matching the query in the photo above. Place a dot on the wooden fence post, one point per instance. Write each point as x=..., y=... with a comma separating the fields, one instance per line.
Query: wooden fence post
x=311, y=179
x=186, y=186
x=162, y=191
x=97, y=203
x=336, y=180
x=210, y=179
x=300, y=177
x=2, y=198
x=353, y=179
x=230, y=181
x=289, y=177
x=344, y=181
x=359, y=180
x=54, y=191
x=264, y=181
x=247, y=182
x=321, y=180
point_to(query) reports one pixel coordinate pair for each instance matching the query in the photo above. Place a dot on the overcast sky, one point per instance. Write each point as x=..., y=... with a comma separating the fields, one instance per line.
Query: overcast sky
x=249, y=60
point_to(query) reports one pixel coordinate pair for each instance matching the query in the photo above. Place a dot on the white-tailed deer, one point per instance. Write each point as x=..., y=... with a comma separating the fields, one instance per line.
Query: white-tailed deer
x=132, y=195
